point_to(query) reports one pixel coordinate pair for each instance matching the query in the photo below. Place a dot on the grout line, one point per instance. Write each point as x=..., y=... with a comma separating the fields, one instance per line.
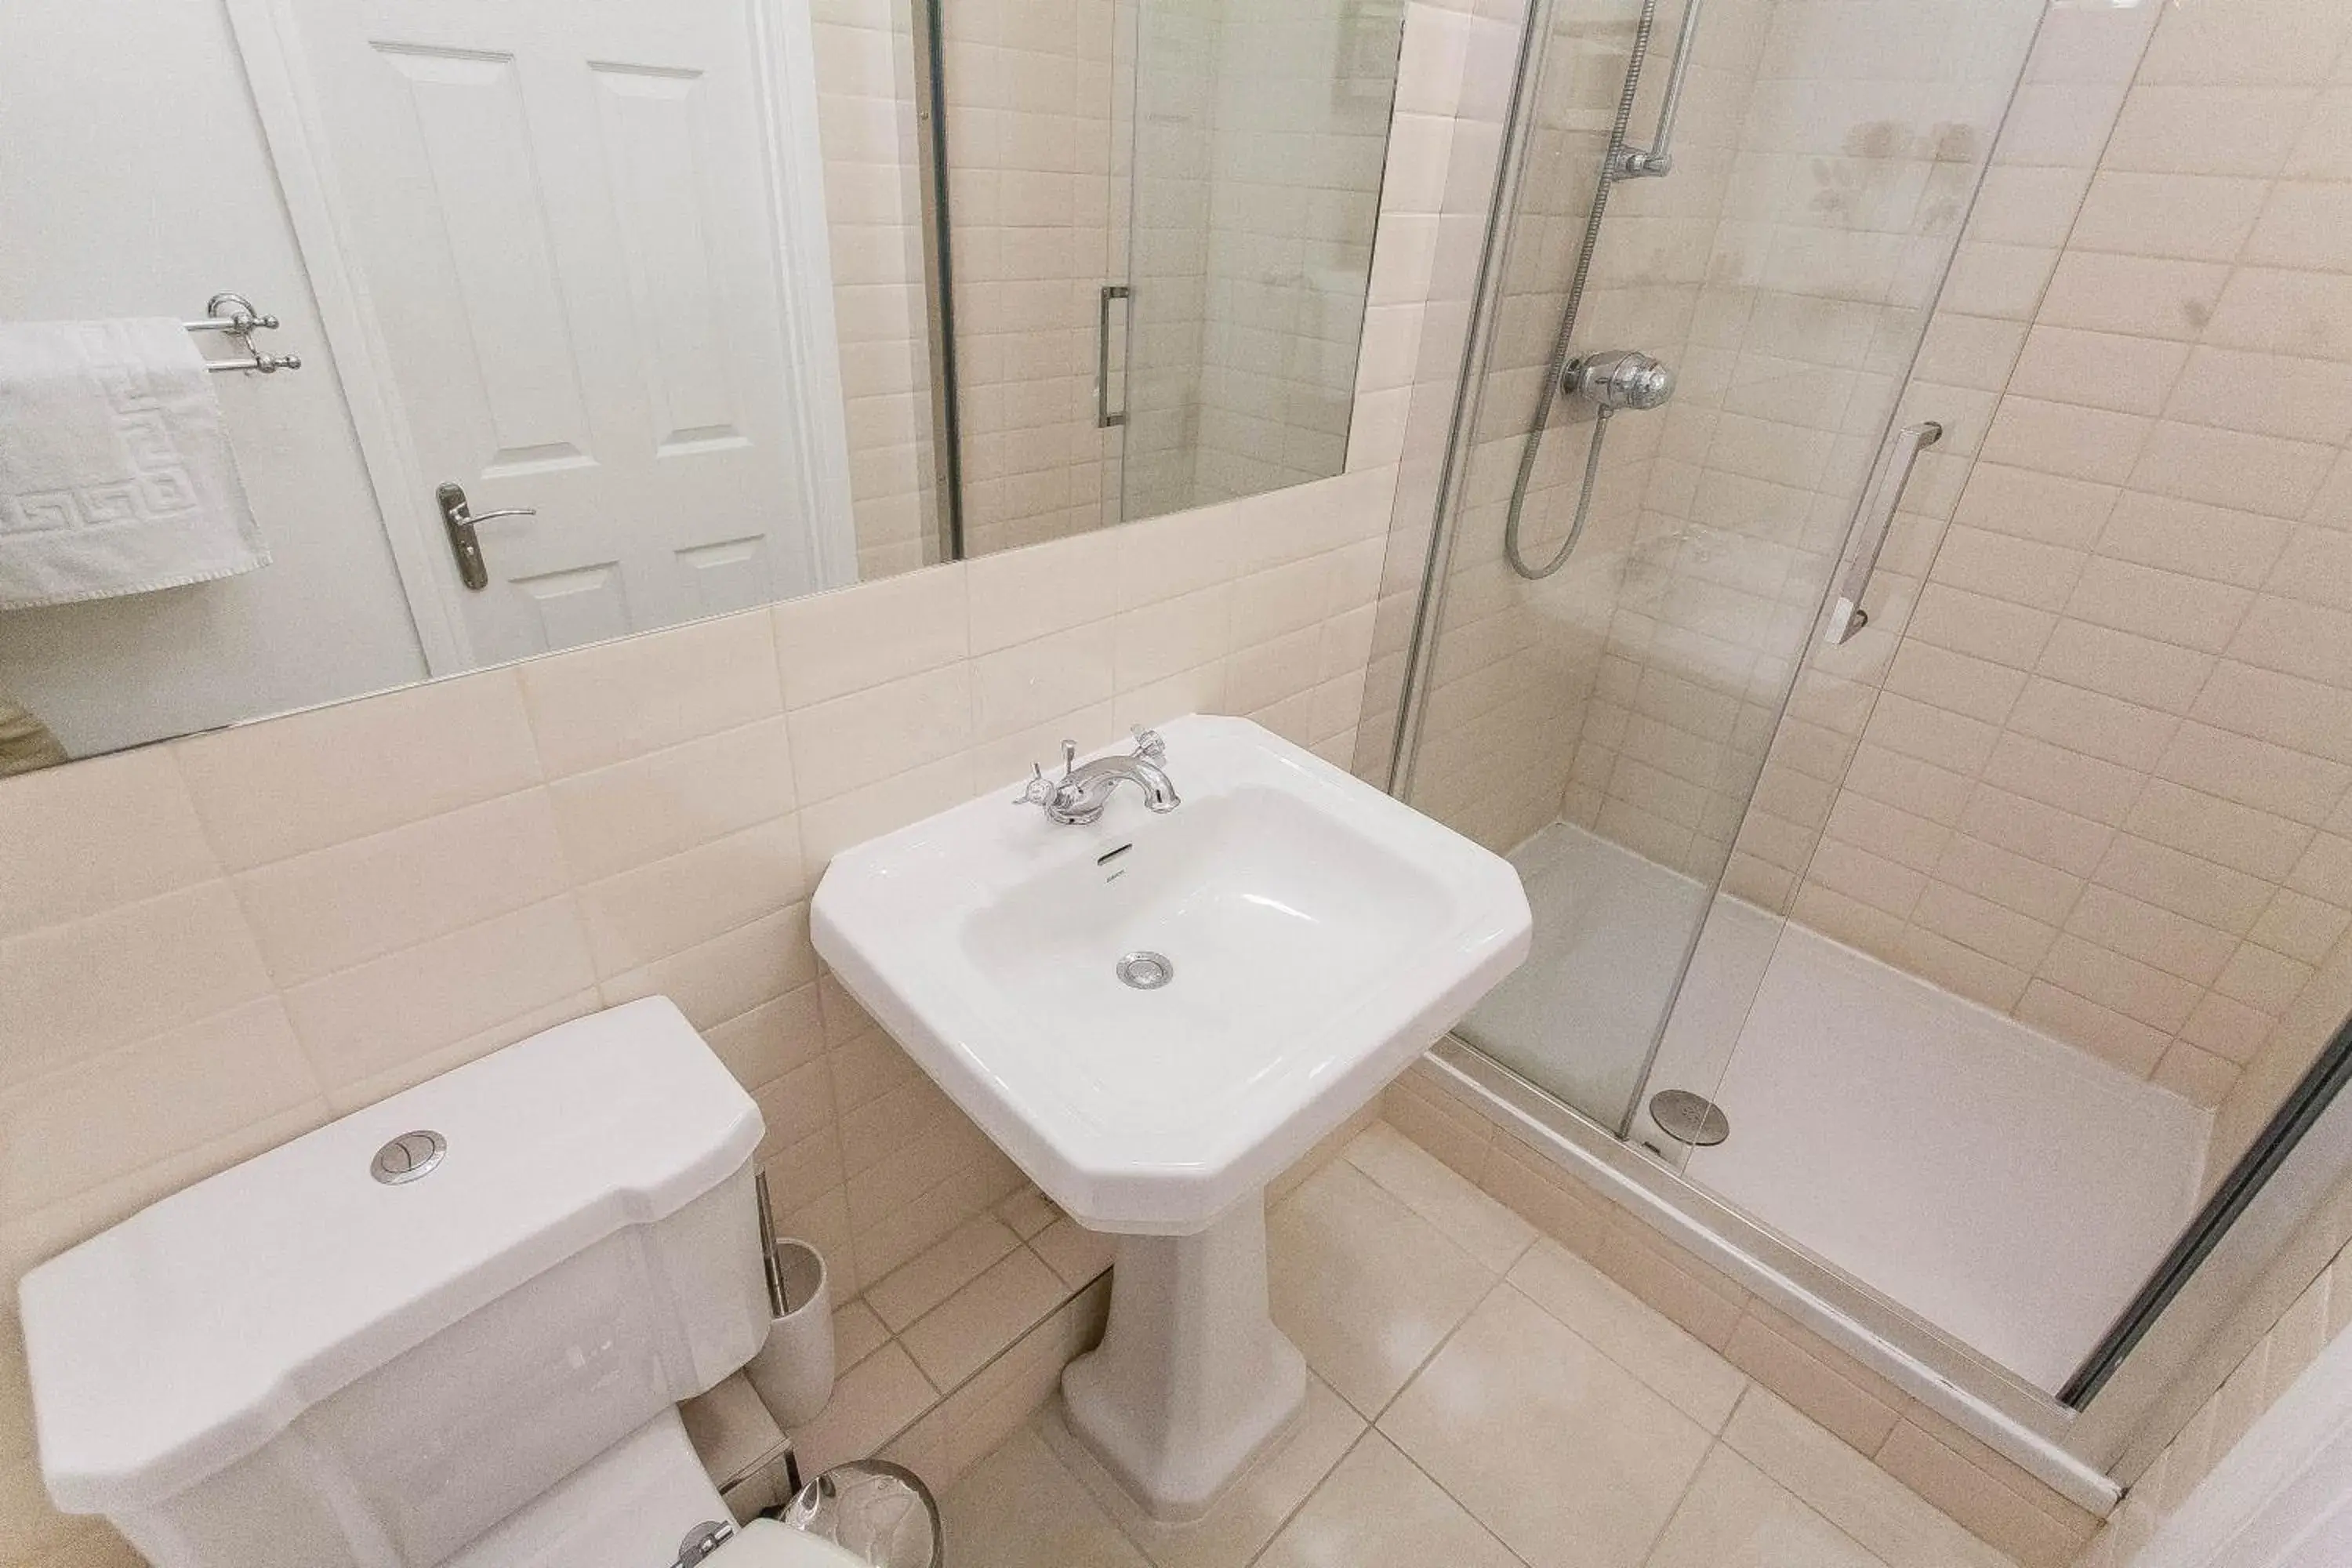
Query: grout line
x=1312, y=1492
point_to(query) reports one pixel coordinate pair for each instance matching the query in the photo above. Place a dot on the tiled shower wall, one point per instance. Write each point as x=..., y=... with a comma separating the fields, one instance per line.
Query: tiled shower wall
x=1845, y=167
x=1264, y=137
x=1515, y=661
x=866, y=76
x=2090, y=765
x=2316, y=1317
x=1031, y=144
x=1823, y=159
x=1259, y=162
x=1033, y=140
x=1304, y=94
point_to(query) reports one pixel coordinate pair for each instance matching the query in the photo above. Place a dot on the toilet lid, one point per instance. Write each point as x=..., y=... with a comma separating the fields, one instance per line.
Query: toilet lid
x=764, y=1543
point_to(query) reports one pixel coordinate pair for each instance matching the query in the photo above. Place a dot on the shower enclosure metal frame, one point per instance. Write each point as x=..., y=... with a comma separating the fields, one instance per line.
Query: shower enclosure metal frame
x=2262, y=1233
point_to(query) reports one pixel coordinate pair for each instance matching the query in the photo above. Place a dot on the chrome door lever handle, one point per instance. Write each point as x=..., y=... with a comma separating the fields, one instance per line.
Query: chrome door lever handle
x=459, y=519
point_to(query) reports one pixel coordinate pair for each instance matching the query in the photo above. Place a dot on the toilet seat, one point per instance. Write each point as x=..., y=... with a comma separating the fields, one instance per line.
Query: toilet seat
x=764, y=1543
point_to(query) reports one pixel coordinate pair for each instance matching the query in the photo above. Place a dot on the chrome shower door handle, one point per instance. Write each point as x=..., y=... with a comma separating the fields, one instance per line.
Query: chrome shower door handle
x=1873, y=522
x=1104, y=418
x=459, y=519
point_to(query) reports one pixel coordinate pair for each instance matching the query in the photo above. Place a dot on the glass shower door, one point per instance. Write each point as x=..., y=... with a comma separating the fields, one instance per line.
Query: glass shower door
x=1261, y=135
x=1606, y=722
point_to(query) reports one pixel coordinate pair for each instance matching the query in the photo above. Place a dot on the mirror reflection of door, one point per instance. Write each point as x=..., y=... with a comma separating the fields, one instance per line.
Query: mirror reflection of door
x=561, y=227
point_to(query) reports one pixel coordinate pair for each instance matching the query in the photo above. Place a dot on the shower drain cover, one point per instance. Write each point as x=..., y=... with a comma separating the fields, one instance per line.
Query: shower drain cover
x=1146, y=971
x=1688, y=1117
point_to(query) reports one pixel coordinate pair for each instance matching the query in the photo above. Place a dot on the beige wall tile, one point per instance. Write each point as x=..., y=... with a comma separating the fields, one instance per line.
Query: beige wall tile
x=596, y=706
x=81, y=1126
x=669, y=905
x=333, y=907
x=1981, y=1502
x=830, y=645
x=113, y=830
x=909, y=1292
x=984, y=1317
x=729, y=974
x=2197, y=1076
x=881, y=734
x=270, y=790
x=1860, y=1408
x=1022, y=595
x=614, y=819
x=2145, y=295
x=71, y=992
x=1018, y=687
x=363, y=1020
x=2188, y=217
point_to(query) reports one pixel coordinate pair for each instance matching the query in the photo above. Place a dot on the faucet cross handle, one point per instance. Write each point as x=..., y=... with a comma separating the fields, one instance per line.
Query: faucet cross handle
x=1037, y=791
x=1149, y=745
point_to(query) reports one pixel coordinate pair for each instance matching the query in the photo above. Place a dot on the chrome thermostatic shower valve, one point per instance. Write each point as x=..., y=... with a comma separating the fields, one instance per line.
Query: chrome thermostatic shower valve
x=1619, y=378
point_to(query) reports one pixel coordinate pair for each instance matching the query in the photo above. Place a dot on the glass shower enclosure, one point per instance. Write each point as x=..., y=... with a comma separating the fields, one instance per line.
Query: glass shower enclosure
x=1895, y=888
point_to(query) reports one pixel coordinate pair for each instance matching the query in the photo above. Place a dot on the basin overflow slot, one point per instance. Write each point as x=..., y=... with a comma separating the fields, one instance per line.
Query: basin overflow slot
x=1108, y=857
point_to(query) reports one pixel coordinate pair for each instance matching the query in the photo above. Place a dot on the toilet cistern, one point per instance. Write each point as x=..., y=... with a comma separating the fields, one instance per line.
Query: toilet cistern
x=448, y=1330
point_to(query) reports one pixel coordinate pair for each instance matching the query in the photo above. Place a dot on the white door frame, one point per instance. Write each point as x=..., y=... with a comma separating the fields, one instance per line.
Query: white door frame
x=2281, y=1498
x=784, y=70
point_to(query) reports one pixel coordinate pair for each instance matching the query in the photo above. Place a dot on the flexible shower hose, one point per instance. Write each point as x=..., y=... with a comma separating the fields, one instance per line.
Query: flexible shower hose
x=1550, y=394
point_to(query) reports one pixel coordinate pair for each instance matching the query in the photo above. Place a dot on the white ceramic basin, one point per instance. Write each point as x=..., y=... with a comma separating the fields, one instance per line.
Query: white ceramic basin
x=1321, y=934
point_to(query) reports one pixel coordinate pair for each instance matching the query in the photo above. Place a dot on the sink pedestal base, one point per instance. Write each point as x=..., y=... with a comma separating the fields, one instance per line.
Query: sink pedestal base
x=1192, y=1380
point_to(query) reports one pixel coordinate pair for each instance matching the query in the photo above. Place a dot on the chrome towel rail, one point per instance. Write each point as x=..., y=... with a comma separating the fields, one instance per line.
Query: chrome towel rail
x=234, y=316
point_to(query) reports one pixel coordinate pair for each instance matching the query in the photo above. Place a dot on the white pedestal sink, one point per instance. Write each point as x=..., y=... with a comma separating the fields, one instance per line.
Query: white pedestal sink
x=1316, y=936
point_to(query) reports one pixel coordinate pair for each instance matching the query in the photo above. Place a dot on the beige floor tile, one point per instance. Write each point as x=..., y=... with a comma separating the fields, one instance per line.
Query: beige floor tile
x=1020, y=1507
x=858, y=1333
x=1552, y=1446
x=1892, y=1522
x=1734, y=1515
x=1246, y=1517
x=1010, y=1296
x=1434, y=1190
x=1379, y=1511
x=1365, y=1287
x=1631, y=1332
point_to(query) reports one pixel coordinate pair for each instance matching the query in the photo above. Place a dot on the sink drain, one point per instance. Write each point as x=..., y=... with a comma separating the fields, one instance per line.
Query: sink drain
x=1146, y=971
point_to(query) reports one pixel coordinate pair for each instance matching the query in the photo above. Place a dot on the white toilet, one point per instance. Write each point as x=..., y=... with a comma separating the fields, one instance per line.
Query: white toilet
x=450, y=1329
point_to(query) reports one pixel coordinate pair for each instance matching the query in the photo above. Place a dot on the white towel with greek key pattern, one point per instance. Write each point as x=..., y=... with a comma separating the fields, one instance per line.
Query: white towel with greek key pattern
x=115, y=471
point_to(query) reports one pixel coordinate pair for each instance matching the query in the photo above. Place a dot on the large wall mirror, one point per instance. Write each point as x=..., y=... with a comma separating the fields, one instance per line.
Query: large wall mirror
x=610, y=316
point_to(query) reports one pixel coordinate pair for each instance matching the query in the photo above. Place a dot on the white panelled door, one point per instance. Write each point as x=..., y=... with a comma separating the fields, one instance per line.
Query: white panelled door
x=559, y=217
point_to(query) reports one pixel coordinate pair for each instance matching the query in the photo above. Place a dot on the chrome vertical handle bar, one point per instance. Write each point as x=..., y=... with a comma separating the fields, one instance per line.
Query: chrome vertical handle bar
x=1872, y=525
x=1104, y=418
